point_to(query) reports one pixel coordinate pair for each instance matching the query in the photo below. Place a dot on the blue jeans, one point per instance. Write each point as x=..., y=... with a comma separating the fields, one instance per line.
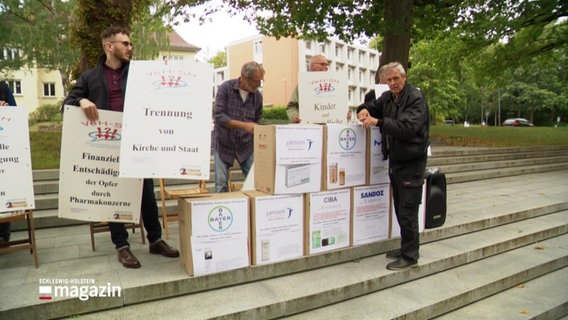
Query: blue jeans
x=222, y=172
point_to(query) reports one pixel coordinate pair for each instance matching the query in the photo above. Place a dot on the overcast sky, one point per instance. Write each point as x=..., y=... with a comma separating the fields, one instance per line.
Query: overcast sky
x=213, y=36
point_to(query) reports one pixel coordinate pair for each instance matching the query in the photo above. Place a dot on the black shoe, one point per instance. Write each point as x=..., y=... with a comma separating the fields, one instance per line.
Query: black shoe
x=394, y=254
x=401, y=264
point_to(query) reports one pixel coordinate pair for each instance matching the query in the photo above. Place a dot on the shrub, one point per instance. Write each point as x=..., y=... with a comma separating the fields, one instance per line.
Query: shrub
x=274, y=113
x=46, y=113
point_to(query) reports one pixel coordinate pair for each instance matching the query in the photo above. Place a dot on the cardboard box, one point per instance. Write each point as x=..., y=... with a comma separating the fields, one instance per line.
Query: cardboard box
x=345, y=156
x=288, y=158
x=214, y=233
x=395, y=228
x=377, y=167
x=277, y=227
x=328, y=220
x=370, y=219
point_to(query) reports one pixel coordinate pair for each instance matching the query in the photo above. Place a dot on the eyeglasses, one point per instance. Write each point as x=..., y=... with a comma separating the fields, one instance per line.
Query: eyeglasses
x=256, y=82
x=125, y=43
x=325, y=64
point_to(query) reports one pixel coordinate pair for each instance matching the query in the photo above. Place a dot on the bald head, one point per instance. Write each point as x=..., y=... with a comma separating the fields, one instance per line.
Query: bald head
x=319, y=63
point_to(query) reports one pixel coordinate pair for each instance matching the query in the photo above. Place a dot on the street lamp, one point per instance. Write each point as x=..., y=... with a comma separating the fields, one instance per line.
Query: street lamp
x=481, y=100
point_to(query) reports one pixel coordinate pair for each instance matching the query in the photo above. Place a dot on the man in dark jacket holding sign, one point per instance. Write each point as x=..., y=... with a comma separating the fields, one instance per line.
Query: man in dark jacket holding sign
x=403, y=117
x=104, y=87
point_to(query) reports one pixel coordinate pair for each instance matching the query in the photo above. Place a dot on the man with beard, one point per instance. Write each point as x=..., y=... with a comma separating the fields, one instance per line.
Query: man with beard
x=103, y=87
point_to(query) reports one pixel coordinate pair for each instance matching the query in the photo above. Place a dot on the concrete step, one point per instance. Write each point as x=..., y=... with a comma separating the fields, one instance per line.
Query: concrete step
x=457, y=177
x=484, y=256
x=485, y=218
x=452, y=162
x=535, y=299
x=444, y=292
x=510, y=163
x=448, y=160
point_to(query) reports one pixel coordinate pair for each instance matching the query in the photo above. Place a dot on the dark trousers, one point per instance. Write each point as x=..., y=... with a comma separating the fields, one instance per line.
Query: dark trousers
x=150, y=219
x=5, y=231
x=406, y=181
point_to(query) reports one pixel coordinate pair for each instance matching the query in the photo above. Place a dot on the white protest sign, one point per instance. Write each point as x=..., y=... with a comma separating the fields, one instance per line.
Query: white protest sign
x=323, y=97
x=89, y=186
x=167, y=120
x=380, y=89
x=16, y=182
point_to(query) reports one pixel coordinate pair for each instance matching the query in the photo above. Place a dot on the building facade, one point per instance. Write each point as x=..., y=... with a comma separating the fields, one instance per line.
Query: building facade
x=284, y=58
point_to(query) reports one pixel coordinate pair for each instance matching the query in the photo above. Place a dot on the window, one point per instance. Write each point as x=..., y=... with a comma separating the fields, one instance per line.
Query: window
x=9, y=54
x=257, y=51
x=338, y=51
x=309, y=45
x=49, y=89
x=323, y=47
x=15, y=86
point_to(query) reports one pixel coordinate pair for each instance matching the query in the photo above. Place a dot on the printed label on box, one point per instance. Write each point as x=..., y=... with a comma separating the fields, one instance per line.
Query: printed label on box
x=370, y=213
x=217, y=256
x=279, y=226
x=378, y=166
x=346, y=149
x=329, y=220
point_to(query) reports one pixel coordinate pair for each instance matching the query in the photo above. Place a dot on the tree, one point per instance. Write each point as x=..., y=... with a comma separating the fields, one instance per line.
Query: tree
x=478, y=23
x=50, y=36
x=219, y=60
x=148, y=19
x=39, y=30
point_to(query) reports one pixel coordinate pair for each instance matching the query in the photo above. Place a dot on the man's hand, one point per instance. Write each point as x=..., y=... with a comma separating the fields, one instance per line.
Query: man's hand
x=3, y=103
x=296, y=119
x=89, y=109
x=366, y=119
x=249, y=127
x=363, y=114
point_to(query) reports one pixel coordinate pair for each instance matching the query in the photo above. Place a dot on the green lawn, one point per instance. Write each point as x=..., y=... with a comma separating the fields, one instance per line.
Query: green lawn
x=500, y=136
x=45, y=146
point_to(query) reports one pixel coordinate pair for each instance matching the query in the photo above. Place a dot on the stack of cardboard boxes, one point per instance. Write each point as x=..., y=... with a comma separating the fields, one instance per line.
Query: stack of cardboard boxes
x=318, y=188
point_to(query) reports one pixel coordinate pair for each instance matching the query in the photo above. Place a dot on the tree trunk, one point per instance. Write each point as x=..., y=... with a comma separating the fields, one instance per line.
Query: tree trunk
x=398, y=20
x=93, y=18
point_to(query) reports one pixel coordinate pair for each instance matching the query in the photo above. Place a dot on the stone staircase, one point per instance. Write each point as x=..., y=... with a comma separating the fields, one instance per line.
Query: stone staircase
x=459, y=164
x=502, y=254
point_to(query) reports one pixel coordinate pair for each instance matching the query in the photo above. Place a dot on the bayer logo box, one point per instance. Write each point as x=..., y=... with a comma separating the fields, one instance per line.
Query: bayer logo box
x=345, y=153
x=214, y=233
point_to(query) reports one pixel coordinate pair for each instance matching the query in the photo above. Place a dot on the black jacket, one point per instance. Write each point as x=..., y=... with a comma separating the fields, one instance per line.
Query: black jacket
x=92, y=85
x=406, y=126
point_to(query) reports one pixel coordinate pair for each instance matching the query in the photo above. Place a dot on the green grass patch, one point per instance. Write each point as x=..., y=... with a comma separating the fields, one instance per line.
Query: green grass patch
x=499, y=136
x=45, y=149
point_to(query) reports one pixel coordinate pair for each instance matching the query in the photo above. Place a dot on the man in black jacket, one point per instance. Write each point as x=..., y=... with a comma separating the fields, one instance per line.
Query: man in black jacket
x=103, y=87
x=403, y=117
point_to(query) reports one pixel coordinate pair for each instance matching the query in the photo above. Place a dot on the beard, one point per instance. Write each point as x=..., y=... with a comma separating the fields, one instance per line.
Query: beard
x=122, y=56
